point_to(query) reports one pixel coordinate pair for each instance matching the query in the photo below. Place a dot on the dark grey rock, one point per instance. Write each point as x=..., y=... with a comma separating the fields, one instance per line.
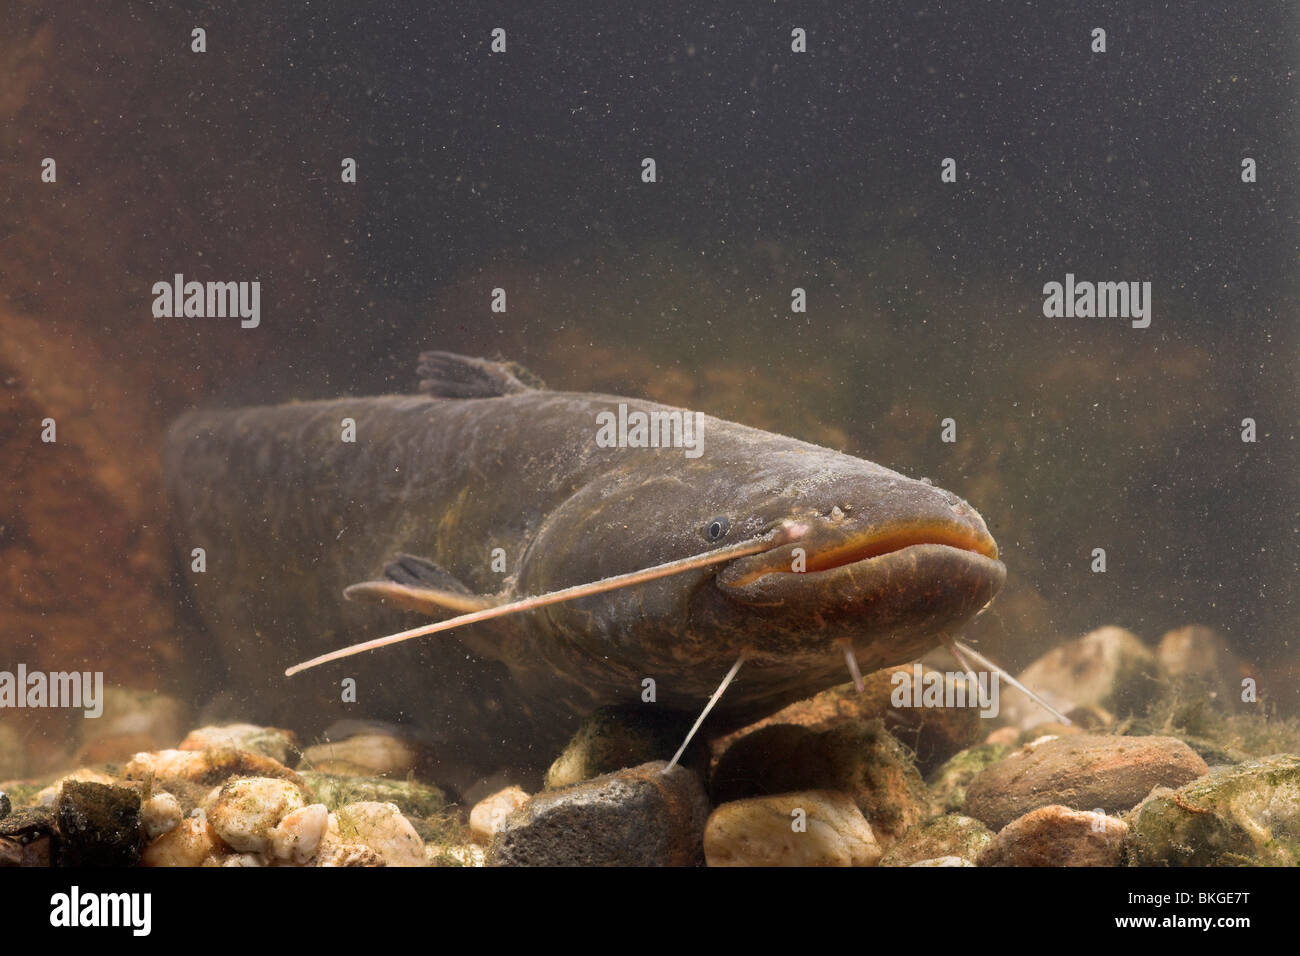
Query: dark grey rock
x=99, y=825
x=635, y=817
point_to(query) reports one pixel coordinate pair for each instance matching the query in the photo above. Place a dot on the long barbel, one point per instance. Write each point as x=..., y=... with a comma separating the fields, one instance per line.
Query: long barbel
x=784, y=534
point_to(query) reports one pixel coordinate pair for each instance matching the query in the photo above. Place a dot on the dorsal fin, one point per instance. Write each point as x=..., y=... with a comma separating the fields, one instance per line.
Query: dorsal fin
x=447, y=375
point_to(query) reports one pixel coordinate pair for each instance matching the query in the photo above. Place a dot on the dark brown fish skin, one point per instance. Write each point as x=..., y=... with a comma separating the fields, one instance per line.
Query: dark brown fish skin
x=289, y=515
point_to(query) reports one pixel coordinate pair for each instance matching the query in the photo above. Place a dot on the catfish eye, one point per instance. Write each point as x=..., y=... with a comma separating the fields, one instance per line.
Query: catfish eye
x=717, y=528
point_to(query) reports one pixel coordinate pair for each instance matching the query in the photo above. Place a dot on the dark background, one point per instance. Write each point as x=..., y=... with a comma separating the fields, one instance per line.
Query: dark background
x=776, y=170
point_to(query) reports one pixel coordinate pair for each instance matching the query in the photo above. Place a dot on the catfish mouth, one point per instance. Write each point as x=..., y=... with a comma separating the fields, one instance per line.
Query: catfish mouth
x=869, y=550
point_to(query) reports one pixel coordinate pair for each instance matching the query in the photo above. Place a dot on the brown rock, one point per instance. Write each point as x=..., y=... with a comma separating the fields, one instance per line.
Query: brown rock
x=858, y=758
x=1058, y=836
x=1085, y=772
x=932, y=733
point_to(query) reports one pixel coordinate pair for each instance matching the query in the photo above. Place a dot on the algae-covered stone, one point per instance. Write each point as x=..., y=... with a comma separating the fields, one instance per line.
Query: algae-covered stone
x=933, y=734
x=641, y=816
x=1083, y=772
x=442, y=829
x=1109, y=668
x=413, y=798
x=1057, y=836
x=812, y=828
x=945, y=836
x=245, y=811
x=271, y=742
x=382, y=828
x=1243, y=815
x=99, y=825
x=858, y=758
x=948, y=784
x=613, y=738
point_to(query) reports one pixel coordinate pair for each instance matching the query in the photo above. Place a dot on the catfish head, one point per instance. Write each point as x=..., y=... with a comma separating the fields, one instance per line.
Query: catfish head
x=883, y=565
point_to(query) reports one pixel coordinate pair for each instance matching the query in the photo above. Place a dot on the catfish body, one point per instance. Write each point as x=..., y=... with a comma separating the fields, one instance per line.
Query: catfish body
x=486, y=489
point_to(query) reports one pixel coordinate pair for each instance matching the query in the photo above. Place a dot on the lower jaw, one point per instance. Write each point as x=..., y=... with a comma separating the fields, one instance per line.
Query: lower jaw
x=924, y=591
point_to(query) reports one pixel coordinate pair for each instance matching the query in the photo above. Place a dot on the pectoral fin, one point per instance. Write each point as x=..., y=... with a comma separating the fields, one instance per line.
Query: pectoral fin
x=417, y=584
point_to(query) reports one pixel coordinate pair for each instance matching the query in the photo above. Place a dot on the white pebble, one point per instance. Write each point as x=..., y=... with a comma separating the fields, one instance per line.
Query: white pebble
x=159, y=814
x=298, y=835
x=490, y=813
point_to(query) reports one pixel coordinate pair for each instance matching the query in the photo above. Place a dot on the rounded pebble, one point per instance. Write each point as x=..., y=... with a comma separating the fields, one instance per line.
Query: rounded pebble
x=812, y=828
x=247, y=809
x=298, y=835
x=159, y=814
x=490, y=813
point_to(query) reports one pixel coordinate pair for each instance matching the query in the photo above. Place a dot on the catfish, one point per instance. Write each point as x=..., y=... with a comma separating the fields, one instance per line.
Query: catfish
x=324, y=521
